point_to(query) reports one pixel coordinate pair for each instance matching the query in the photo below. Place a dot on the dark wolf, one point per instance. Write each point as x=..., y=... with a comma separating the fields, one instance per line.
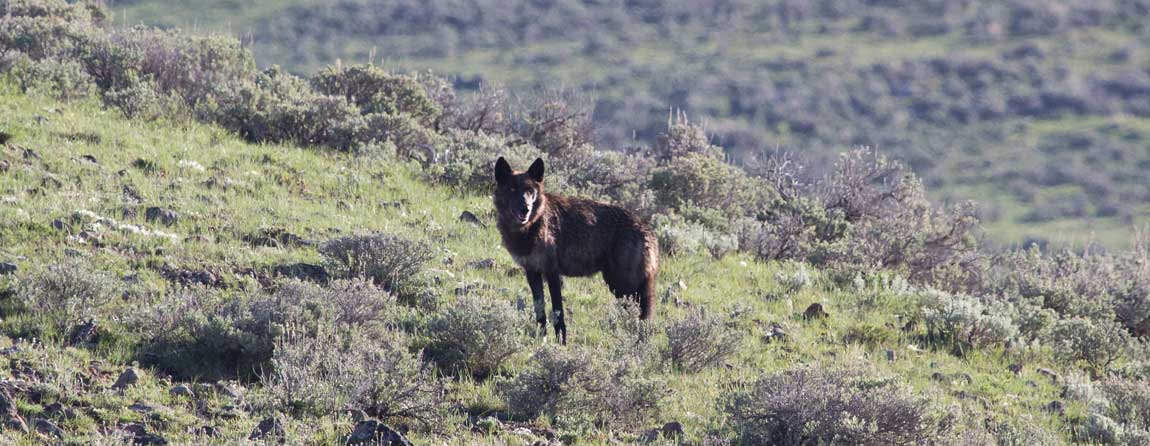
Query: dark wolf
x=552, y=236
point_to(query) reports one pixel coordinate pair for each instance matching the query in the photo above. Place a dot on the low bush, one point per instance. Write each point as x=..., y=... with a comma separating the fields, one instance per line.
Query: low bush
x=333, y=367
x=810, y=406
x=63, y=294
x=377, y=91
x=575, y=385
x=700, y=341
x=962, y=322
x=387, y=260
x=1098, y=343
x=677, y=236
x=475, y=335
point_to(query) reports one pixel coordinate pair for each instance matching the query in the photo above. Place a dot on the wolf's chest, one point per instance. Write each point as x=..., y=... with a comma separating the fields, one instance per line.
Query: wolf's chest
x=536, y=259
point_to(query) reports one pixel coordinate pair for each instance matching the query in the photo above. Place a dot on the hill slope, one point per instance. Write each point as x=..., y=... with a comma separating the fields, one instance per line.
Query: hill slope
x=71, y=169
x=1034, y=109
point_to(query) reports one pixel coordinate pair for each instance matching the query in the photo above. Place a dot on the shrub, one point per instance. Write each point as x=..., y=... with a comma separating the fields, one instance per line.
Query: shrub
x=353, y=302
x=963, y=322
x=276, y=106
x=677, y=236
x=707, y=182
x=811, y=406
x=573, y=384
x=1096, y=342
x=334, y=367
x=64, y=294
x=475, y=335
x=388, y=260
x=374, y=90
x=796, y=229
x=555, y=121
x=682, y=139
x=893, y=226
x=699, y=341
x=65, y=80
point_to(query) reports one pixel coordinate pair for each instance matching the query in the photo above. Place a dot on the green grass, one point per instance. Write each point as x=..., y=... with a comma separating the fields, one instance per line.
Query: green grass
x=242, y=188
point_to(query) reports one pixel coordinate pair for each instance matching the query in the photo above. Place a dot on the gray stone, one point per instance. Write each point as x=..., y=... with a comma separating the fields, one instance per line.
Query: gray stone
x=128, y=378
x=48, y=427
x=269, y=427
x=167, y=217
x=182, y=390
x=376, y=433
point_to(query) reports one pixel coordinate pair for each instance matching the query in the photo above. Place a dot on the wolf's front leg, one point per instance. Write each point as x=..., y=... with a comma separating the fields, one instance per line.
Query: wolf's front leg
x=535, y=281
x=555, y=285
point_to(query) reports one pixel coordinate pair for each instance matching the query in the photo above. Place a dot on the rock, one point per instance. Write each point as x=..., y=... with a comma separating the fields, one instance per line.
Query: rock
x=7, y=404
x=141, y=408
x=489, y=425
x=776, y=333
x=815, y=311
x=59, y=225
x=5, y=137
x=482, y=264
x=303, y=271
x=140, y=435
x=47, y=427
x=16, y=423
x=182, y=390
x=89, y=158
x=673, y=430
x=376, y=433
x=468, y=217
x=4, y=166
x=7, y=268
x=84, y=333
x=1055, y=406
x=131, y=197
x=167, y=217
x=59, y=411
x=269, y=427
x=233, y=391
x=1050, y=373
x=891, y=356
x=128, y=378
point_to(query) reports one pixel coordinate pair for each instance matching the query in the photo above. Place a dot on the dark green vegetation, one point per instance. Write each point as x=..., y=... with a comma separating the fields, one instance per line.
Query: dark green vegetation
x=289, y=259
x=1036, y=109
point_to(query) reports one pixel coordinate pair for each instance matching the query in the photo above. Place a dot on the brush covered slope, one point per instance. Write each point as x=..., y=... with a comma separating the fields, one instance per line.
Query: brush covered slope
x=1035, y=109
x=196, y=251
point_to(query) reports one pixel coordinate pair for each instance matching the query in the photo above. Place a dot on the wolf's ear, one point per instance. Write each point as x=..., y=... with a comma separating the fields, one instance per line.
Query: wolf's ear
x=536, y=170
x=502, y=171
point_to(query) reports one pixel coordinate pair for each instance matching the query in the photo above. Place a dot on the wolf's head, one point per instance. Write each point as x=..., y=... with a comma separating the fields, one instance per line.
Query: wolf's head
x=518, y=195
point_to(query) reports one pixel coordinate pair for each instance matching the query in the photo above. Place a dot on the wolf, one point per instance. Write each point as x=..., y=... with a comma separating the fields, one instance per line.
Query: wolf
x=551, y=236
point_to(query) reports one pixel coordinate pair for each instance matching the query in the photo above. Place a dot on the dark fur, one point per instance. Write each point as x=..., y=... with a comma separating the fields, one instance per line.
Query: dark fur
x=552, y=236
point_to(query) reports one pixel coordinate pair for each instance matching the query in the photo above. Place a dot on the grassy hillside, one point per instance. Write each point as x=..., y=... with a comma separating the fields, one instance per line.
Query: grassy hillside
x=1034, y=109
x=84, y=167
x=194, y=250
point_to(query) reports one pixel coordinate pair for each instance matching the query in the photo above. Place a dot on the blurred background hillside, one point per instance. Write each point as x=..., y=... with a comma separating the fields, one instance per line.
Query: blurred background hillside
x=1037, y=110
